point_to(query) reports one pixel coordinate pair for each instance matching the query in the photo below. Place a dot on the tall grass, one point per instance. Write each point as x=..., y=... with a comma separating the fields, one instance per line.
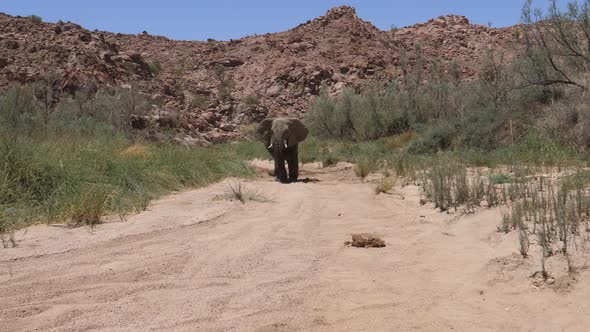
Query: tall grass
x=57, y=178
x=77, y=169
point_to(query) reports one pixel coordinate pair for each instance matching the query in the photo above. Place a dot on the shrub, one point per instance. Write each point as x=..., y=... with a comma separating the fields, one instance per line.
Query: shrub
x=384, y=186
x=438, y=138
x=36, y=19
x=363, y=167
x=328, y=159
x=90, y=206
x=199, y=101
x=226, y=84
x=355, y=116
x=251, y=100
x=500, y=178
x=155, y=67
x=238, y=192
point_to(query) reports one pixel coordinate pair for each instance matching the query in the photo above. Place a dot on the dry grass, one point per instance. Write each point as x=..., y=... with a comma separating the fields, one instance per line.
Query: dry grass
x=553, y=207
x=364, y=167
x=384, y=186
x=90, y=207
x=137, y=151
x=239, y=192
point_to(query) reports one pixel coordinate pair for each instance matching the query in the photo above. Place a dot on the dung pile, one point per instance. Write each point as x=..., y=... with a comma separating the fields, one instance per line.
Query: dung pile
x=365, y=240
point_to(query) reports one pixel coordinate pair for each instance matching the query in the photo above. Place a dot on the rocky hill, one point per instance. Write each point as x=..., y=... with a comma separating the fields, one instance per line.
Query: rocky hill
x=216, y=86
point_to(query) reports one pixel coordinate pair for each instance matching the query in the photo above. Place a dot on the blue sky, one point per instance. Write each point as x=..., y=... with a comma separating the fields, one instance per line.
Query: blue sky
x=224, y=19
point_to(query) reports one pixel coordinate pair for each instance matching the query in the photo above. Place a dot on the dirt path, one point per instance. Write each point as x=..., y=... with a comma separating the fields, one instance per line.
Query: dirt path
x=192, y=262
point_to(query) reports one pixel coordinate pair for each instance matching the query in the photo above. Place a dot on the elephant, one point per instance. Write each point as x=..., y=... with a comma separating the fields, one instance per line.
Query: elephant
x=281, y=137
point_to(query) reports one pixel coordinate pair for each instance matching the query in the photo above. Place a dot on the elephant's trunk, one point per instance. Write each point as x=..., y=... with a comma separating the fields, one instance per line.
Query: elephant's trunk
x=279, y=157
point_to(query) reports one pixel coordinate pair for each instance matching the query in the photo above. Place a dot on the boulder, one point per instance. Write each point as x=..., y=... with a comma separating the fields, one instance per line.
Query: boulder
x=274, y=90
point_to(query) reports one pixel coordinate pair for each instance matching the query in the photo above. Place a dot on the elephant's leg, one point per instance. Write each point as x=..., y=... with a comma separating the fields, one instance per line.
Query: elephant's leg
x=280, y=171
x=293, y=164
x=274, y=172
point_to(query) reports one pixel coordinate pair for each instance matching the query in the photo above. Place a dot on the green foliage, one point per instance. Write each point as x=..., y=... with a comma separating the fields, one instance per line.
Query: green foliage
x=556, y=44
x=155, y=67
x=436, y=138
x=355, y=116
x=251, y=100
x=82, y=163
x=36, y=19
x=199, y=101
x=500, y=178
x=384, y=186
x=537, y=148
x=364, y=166
x=328, y=159
x=443, y=111
x=90, y=206
x=226, y=84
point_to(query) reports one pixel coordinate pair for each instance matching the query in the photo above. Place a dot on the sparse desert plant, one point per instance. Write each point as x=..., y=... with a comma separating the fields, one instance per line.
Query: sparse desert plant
x=384, y=186
x=492, y=197
x=36, y=19
x=523, y=241
x=239, y=192
x=363, y=167
x=446, y=184
x=226, y=84
x=90, y=207
x=8, y=222
x=505, y=225
x=155, y=67
x=251, y=100
x=248, y=132
x=328, y=159
x=393, y=29
x=144, y=202
x=199, y=101
x=500, y=178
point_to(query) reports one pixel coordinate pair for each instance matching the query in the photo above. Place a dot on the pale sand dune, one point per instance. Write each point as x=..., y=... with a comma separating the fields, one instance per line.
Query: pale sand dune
x=193, y=262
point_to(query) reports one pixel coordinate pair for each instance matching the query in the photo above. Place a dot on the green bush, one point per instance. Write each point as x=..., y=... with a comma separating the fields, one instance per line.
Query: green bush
x=155, y=67
x=500, y=178
x=226, y=84
x=251, y=100
x=437, y=138
x=36, y=19
x=199, y=101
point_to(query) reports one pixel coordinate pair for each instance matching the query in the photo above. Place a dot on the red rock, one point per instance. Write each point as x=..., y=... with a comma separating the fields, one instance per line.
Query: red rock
x=283, y=69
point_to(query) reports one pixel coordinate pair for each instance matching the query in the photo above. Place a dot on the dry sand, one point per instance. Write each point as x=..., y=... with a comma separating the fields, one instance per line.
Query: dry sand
x=193, y=262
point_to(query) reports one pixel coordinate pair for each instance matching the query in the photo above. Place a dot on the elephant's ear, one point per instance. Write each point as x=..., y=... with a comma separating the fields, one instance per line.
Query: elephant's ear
x=298, y=132
x=263, y=131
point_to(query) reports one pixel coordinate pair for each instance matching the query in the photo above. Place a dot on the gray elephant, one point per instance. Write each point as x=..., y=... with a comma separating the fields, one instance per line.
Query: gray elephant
x=282, y=136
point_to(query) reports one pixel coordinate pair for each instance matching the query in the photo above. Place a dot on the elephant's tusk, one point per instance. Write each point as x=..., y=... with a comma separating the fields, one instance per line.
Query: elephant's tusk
x=286, y=145
x=270, y=146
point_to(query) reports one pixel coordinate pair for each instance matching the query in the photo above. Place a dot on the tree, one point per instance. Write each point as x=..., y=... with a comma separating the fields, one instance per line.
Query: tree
x=46, y=91
x=557, y=44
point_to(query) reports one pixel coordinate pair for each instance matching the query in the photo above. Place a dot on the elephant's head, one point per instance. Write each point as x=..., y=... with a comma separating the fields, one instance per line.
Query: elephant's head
x=281, y=133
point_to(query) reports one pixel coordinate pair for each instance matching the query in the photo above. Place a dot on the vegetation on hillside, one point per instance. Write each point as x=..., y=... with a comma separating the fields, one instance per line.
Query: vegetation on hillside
x=541, y=92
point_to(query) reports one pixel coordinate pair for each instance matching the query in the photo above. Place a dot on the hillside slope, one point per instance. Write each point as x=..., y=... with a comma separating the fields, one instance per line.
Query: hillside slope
x=278, y=73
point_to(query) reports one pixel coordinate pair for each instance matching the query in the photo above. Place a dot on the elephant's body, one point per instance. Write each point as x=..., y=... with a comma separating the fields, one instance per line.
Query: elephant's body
x=281, y=137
